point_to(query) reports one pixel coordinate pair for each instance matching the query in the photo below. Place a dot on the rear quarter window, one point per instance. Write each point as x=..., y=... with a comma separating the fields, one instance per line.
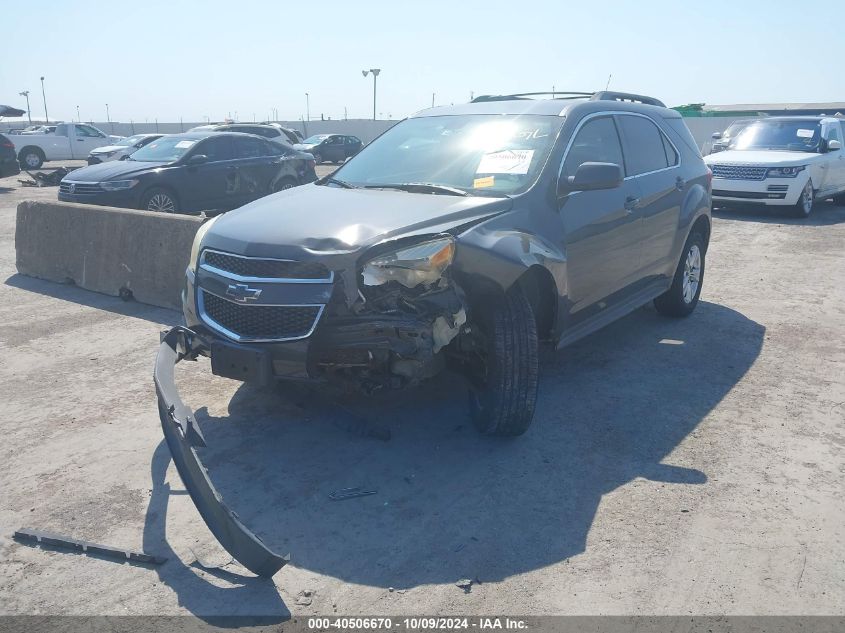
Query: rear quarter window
x=643, y=145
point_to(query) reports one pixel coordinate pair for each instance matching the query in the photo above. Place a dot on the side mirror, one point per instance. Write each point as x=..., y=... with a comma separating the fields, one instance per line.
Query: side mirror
x=198, y=159
x=592, y=176
x=716, y=135
x=833, y=145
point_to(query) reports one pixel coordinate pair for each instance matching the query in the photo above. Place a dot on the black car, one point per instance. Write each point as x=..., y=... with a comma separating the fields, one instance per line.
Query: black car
x=9, y=165
x=334, y=148
x=191, y=172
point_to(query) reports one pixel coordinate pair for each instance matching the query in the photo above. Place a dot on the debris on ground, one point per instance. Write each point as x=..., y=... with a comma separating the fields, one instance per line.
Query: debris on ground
x=350, y=493
x=39, y=537
x=304, y=597
x=46, y=179
x=465, y=584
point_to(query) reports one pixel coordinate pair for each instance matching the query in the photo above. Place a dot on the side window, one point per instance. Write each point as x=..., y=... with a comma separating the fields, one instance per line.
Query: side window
x=61, y=130
x=671, y=154
x=833, y=133
x=145, y=141
x=596, y=142
x=248, y=147
x=644, y=150
x=216, y=148
x=85, y=130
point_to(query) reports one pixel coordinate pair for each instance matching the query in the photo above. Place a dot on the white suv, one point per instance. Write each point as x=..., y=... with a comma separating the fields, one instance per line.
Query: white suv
x=784, y=161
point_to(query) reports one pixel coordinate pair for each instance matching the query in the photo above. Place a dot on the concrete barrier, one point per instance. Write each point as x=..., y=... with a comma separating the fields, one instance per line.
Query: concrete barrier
x=108, y=250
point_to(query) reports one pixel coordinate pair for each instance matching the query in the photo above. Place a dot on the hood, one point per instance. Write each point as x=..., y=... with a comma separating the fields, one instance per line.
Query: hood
x=766, y=158
x=114, y=138
x=107, y=149
x=113, y=170
x=304, y=147
x=316, y=221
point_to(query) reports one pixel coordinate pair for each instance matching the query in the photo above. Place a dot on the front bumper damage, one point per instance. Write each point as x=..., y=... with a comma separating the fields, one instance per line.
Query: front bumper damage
x=183, y=437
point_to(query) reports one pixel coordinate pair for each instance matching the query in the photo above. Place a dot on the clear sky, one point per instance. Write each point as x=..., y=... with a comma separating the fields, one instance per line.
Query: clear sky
x=152, y=59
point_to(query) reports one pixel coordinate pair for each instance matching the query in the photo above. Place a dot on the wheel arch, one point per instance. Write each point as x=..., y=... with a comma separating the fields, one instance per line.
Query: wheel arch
x=37, y=149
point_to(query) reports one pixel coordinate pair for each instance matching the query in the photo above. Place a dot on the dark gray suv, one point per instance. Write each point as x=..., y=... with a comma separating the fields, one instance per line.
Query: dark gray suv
x=461, y=238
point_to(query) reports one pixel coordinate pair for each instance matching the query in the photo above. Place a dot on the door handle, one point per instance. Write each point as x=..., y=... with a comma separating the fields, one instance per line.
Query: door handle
x=680, y=183
x=631, y=203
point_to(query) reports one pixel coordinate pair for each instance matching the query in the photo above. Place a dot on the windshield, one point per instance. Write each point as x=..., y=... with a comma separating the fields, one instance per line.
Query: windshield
x=165, y=150
x=315, y=140
x=129, y=140
x=478, y=153
x=788, y=135
x=734, y=129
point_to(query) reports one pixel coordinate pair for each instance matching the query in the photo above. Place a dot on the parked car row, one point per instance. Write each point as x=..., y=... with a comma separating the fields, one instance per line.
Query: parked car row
x=121, y=149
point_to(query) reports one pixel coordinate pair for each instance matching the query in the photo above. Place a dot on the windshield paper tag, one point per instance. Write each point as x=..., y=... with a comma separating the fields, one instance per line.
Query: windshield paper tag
x=184, y=144
x=804, y=133
x=509, y=161
x=487, y=181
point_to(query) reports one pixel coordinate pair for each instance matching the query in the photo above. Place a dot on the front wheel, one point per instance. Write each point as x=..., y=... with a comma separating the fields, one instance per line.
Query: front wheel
x=503, y=382
x=318, y=158
x=804, y=206
x=284, y=183
x=682, y=297
x=160, y=200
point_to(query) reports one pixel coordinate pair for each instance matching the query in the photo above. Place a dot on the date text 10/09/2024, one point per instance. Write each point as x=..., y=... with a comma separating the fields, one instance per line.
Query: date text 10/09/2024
x=417, y=623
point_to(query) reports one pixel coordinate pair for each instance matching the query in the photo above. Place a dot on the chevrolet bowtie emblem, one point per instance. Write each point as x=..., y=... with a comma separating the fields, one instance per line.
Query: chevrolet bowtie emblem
x=242, y=293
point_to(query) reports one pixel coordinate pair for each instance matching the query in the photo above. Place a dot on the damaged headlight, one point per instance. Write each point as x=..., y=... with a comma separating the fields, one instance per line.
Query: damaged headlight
x=422, y=263
x=195, y=248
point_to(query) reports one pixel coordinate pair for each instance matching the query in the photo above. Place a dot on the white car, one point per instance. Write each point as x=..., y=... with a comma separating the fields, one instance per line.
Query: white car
x=121, y=149
x=782, y=161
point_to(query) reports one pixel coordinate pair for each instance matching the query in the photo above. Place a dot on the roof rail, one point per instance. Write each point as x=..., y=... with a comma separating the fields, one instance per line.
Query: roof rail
x=603, y=95
x=523, y=95
x=607, y=95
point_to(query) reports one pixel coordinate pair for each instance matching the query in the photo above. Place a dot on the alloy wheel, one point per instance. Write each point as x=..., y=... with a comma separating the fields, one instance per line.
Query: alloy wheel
x=692, y=273
x=162, y=203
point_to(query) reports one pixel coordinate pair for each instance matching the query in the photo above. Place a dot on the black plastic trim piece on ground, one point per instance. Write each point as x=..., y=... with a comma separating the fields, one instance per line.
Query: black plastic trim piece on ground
x=39, y=537
x=183, y=437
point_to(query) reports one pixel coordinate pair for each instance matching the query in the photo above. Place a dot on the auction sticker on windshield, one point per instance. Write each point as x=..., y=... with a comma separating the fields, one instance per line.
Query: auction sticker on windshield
x=509, y=161
x=804, y=133
x=184, y=144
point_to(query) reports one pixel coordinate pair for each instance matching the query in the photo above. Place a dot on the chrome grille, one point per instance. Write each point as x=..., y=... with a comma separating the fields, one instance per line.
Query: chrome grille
x=239, y=267
x=79, y=187
x=259, y=322
x=739, y=172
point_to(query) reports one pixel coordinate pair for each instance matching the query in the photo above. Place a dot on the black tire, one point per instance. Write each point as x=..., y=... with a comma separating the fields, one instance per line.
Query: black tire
x=503, y=396
x=839, y=199
x=284, y=183
x=804, y=207
x=31, y=158
x=678, y=301
x=154, y=199
x=318, y=158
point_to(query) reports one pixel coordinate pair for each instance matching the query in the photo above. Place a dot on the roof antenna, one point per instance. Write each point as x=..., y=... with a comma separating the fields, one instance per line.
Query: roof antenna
x=607, y=85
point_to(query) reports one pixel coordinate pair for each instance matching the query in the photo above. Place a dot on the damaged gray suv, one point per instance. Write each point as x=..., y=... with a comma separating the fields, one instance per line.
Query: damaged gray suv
x=461, y=238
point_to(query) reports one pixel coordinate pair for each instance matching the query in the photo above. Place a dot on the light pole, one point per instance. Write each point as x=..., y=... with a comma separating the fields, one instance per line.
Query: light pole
x=78, y=117
x=25, y=93
x=307, y=107
x=375, y=72
x=432, y=99
x=108, y=119
x=44, y=96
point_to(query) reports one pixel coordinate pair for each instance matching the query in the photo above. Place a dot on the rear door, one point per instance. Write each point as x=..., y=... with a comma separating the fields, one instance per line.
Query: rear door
x=257, y=165
x=835, y=159
x=601, y=229
x=214, y=184
x=654, y=163
x=333, y=149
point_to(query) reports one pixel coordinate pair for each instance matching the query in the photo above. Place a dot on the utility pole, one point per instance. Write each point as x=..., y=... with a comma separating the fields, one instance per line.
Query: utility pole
x=432, y=99
x=25, y=93
x=44, y=96
x=375, y=72
x=307, y=107
x=108, y=119
x=78, y=117
x=345, y=118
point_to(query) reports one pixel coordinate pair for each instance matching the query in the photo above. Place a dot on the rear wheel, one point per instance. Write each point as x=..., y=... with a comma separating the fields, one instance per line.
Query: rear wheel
x=318, y=158
x=31, y=158
x=160, y=200
x=284, y=183
x=682, y=297
x=503, y=382
x=804, y=206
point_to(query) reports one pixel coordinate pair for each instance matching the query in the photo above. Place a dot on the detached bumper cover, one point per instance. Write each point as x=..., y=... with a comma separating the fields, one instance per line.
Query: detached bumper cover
x=183, y=438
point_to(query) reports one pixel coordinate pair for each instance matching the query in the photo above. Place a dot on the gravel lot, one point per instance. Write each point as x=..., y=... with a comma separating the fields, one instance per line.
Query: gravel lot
x=674, y=467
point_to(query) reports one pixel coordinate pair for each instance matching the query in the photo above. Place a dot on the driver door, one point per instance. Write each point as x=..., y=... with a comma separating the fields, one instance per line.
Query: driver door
x=602, y=229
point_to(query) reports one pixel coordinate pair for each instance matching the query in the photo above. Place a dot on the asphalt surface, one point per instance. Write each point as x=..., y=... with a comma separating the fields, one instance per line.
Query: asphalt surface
x=674, y=466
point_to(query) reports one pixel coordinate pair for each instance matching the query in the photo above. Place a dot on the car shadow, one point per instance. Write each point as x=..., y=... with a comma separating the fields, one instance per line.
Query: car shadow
x=824, y=214
x=450, y=503
x=74, y=294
